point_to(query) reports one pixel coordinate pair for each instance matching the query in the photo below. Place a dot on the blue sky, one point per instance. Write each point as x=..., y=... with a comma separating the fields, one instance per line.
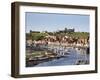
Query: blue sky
x=54, y=22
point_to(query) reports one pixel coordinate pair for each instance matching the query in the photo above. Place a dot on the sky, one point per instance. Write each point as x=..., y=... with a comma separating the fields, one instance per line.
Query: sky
x=53, y=22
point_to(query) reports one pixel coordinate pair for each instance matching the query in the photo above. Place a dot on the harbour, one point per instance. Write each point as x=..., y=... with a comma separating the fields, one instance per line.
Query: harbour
x=54, y=55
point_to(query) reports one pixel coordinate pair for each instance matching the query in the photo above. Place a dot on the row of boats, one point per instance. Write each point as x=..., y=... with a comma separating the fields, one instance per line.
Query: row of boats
x=52, y=52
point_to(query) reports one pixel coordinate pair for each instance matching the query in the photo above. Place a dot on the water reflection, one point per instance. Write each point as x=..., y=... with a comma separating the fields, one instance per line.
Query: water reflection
x=70, y=56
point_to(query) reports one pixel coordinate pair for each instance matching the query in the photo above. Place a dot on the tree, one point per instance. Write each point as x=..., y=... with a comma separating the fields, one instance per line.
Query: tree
x=39, y=36
x=28, y=36
x=65, y=30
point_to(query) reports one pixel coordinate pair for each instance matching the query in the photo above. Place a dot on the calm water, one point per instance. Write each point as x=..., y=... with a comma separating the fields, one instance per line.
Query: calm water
x=71, y=58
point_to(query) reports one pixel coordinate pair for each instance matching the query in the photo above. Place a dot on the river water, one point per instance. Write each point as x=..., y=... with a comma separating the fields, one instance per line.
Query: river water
x=71, y=59
x=74, y=57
